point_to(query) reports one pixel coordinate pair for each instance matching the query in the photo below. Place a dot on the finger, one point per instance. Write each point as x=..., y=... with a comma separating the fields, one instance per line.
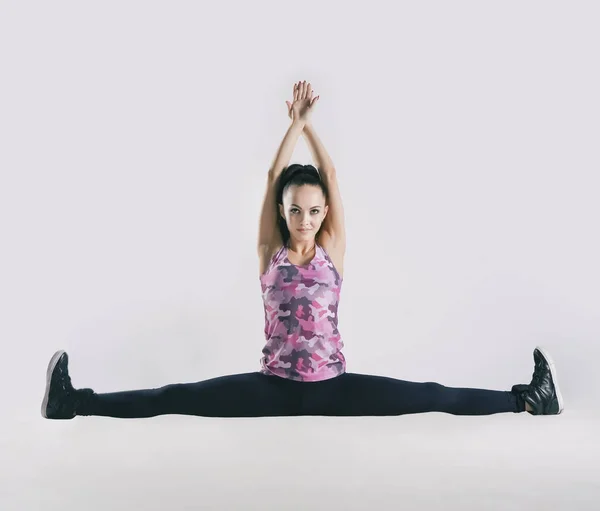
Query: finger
x=295, y=92
x=304, y=89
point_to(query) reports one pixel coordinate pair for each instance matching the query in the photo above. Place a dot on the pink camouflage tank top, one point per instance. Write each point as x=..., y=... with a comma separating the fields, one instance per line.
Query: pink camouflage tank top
x=301, y=318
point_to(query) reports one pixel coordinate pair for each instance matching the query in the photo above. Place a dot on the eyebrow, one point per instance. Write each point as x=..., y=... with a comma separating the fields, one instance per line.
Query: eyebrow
x=317, y=206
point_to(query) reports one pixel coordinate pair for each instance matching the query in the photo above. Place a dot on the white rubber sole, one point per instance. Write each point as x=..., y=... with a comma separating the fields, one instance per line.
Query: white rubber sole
x=547, y=356
x=53, y=361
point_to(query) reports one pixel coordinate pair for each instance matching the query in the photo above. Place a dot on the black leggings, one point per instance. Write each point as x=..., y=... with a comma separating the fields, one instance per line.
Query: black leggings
x=259, y=395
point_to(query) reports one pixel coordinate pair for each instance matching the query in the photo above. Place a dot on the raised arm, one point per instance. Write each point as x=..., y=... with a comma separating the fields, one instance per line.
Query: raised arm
x=301, y=109
x=334, y=223
x=286, y=149
x=268, y=230
x=320, y=156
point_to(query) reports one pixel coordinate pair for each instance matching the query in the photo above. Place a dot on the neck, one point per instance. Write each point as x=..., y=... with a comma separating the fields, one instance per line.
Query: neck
x=303, y=247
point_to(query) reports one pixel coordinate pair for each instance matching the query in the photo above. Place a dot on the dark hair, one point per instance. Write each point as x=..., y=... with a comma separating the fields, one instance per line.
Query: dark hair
x=298, y=175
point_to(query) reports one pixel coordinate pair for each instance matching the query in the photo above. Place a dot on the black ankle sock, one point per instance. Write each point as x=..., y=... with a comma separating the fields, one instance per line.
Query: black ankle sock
x=518, y=391
x=520, y=401
x=84, y=401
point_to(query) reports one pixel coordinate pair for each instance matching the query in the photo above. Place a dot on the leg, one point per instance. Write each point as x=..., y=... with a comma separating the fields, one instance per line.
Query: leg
x=352, y=394
x=240, y=395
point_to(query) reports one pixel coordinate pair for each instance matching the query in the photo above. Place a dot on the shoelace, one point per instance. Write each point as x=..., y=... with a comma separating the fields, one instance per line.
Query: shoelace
x=65, y=383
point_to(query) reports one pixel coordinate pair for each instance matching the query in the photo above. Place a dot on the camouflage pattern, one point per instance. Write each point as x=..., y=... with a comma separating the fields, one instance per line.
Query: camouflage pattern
x=301, y=318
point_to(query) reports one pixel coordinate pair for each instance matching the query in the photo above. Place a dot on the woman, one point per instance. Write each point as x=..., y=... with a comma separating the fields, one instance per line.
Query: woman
x=301, y=249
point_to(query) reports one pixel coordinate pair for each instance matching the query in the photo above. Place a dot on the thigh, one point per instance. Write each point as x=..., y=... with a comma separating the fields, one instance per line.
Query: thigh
x=353, y=394
x=238, y=395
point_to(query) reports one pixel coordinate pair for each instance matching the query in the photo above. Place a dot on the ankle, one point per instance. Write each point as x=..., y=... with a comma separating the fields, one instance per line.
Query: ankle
x=84, y=402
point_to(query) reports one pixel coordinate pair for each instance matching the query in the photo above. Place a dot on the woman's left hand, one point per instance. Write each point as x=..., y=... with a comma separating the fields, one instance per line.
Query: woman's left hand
x=303, y=104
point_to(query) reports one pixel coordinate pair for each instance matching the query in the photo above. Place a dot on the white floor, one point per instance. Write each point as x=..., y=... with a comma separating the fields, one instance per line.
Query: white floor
x=412, y=462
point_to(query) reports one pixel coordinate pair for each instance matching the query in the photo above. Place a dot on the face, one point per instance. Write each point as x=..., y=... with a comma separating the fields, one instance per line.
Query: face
x=303, y=208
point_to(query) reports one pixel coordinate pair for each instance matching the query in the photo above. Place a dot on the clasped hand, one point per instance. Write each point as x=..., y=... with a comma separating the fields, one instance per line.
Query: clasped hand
x=303, y=103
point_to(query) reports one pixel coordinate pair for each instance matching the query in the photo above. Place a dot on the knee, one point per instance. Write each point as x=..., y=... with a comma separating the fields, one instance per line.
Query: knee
x=442, y=398
x=171, y=389
x=434, y=387
x=169, y=393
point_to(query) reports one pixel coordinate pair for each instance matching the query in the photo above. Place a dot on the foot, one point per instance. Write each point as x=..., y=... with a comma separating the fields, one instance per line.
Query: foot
x=542, y=394
x=61, y=400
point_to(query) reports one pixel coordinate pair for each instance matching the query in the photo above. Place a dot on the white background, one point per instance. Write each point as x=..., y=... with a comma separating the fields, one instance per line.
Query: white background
x=135, y=141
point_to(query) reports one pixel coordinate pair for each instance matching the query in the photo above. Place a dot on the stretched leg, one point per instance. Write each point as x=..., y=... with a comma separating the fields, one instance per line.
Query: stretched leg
x=352, y=394
x=258, y=395
x=239, y=395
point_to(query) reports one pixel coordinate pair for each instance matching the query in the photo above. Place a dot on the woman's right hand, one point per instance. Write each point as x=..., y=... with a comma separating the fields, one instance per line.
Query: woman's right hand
x=303, y=104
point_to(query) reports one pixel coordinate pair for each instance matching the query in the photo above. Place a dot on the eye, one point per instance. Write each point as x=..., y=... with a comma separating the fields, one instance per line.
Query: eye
x=296, y=209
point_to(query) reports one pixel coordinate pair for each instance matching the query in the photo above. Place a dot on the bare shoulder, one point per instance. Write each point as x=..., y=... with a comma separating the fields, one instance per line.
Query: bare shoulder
x=335, y=250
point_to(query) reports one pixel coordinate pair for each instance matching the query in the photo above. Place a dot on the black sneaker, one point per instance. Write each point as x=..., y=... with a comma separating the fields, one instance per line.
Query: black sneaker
x=542, y=393
x=61, y=400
